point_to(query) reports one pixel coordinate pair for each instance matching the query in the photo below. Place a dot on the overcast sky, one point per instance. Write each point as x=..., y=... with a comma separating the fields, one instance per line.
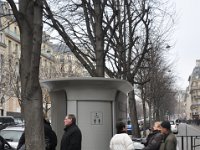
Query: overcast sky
x=187, y=39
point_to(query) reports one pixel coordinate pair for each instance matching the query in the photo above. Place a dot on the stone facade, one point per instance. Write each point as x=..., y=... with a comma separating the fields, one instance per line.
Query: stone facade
x=53, y=64
x=194, y=91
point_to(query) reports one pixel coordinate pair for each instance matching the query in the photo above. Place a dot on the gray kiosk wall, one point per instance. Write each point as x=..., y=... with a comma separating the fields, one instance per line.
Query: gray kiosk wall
x=97, y=104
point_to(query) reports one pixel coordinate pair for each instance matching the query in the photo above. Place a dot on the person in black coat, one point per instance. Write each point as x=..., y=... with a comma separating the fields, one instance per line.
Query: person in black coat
x=154, y=139
x=72, y=137
x=50, y=137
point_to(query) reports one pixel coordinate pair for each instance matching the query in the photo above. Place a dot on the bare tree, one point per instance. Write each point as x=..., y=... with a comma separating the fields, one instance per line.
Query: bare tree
x=109, y=35
x=29, y=19
x=161, y=82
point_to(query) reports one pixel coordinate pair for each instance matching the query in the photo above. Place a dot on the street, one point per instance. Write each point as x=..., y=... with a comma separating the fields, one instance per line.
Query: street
x=188, y=137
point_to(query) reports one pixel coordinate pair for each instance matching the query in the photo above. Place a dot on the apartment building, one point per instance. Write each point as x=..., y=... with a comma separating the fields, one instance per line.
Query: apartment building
x=56, y=61
x=188, y=103
x=10, y=50
x=48, y=62
x=194, y=90
x=9, y=60
x=67, y=63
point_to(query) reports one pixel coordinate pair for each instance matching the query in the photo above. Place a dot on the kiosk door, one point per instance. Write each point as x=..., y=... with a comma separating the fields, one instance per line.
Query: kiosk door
x=95, y=122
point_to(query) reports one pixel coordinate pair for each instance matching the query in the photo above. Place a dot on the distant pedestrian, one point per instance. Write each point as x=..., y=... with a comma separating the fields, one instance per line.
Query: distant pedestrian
x=72, y=137
x=121, y=140
x=169, y=141
x=154, y=139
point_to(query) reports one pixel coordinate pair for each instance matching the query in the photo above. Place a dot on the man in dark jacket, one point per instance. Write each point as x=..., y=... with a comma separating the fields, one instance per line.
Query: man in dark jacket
x=50, y=137
x=169, y=141
x=154, y=139
x=72, y=137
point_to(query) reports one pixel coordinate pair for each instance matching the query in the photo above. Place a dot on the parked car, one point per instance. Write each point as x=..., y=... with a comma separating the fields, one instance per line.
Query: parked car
x=129, y=129
x=174, y=127
x=6, y=121
x=12, y=134
x=6, y=145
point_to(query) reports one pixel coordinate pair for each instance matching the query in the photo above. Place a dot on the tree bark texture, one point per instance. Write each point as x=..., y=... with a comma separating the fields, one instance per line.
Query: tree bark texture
x=133, y=114
x=29, y=19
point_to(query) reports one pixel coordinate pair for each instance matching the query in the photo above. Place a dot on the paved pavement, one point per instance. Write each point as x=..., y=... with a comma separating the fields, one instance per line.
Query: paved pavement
x=188, y=137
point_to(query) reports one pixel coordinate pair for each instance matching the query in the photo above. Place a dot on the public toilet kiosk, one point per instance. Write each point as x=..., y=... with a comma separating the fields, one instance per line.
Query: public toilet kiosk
x=97, y=103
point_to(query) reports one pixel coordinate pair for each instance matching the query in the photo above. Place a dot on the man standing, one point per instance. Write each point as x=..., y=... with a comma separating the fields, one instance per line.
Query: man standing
x=72, y=137
x=154, y=139
x=169, y=141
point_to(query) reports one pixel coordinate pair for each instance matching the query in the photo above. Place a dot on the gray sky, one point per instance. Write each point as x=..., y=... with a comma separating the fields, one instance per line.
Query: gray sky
x=187, y=39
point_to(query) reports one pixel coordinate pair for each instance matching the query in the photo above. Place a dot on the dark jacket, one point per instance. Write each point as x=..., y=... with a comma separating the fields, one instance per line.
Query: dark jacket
x=169, y=142
x=71, y=139
x=50, y=137
x=154, y=140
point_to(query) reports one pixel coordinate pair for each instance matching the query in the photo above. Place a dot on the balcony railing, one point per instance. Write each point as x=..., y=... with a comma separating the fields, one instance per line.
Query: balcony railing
x=196, y=96
x=2, y=43
x=195, y=87
x=194, y=105
x=48, y=56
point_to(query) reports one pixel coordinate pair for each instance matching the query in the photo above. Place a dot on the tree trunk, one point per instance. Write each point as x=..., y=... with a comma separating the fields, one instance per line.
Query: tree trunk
x=150, y=115
x=99, y=40
x=157, y=113
x=133, y=114
x=29, y=19
x=144, y=111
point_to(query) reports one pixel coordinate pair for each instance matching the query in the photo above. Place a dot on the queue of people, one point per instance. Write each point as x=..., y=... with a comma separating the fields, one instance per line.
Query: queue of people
x=160, y=138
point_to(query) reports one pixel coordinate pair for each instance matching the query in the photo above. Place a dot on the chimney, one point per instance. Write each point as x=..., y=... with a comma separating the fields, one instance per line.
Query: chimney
x=198, y=63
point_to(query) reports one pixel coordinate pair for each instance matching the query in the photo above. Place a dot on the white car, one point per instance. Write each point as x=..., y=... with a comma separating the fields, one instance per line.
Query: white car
x=174, y=127
x=12, y=135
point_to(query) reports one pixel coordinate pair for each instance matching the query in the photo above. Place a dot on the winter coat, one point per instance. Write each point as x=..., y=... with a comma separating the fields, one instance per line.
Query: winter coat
x=50, y=138
x=121, y=141
x=169, y=142
x=72, y=138
x=154, y=140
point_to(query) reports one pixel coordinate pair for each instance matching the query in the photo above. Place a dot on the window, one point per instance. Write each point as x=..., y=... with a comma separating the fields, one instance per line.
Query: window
x=16, y=50
x=1, y=38
x=8, y=26
x=15, y=29
x=194, y=84
x=9, y=47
